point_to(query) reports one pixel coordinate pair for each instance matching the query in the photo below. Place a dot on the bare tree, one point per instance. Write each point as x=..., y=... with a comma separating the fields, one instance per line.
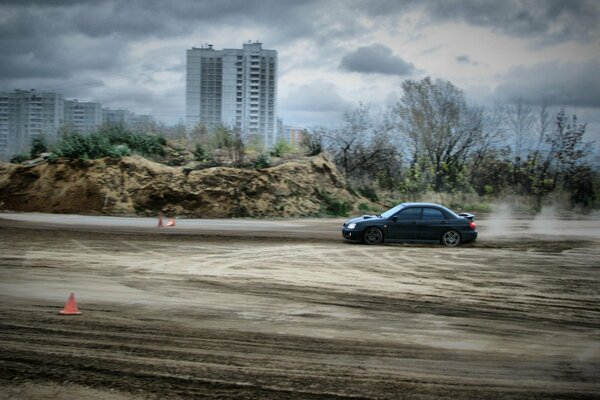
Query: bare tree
x=363, y=148
x=544, y=124
x=491, y=136
x=345, y=142
x=441, y=130
x=519, y=120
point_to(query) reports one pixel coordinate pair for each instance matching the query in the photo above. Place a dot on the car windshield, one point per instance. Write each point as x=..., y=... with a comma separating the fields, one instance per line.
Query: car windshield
x=392, y=211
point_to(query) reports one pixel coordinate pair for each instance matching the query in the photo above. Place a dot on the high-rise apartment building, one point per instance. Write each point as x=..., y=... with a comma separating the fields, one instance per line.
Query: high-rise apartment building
x=4, y=127
x=116, y=117
x=25, y=114
x=83, y=117
x=292, y=135
x=236, y=88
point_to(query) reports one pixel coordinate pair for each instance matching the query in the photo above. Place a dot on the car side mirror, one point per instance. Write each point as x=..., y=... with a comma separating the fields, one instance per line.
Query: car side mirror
x=395, y=218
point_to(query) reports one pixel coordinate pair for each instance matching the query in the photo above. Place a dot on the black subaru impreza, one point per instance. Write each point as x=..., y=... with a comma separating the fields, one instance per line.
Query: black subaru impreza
x=413, y=222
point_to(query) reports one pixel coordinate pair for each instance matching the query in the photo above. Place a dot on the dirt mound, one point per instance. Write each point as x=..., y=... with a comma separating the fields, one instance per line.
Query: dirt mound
x=134, y=185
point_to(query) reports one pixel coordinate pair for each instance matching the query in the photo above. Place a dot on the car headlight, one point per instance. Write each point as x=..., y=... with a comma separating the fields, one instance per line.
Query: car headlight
x=351, y=226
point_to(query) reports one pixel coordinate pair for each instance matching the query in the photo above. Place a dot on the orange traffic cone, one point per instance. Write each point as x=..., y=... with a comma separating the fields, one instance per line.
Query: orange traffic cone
x=70, y=306
x=171, y=222
x=160, y=223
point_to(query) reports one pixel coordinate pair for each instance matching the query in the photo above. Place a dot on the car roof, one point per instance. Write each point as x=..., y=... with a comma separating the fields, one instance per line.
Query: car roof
x=423, y=205
x=434, y=205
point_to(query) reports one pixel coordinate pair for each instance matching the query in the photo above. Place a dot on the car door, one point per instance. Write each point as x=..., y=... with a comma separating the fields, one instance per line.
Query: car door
x=433, y=223
x=405, y=224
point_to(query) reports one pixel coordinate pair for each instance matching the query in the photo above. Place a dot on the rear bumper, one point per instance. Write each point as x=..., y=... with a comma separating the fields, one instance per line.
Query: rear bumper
x=469, y=236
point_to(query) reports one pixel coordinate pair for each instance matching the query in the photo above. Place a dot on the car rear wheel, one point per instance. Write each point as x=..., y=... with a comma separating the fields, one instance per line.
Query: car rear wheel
x=451, y=238
x=373, y=236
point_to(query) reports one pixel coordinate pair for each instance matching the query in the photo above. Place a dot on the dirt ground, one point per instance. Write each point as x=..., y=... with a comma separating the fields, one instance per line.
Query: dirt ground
x=288, y=310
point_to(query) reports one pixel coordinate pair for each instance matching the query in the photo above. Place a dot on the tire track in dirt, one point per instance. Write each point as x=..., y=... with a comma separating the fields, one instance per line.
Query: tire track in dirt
x=108, y=354
x=269, y=320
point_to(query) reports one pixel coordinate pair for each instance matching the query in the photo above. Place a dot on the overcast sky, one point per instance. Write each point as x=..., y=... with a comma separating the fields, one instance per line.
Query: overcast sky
x=332, y=54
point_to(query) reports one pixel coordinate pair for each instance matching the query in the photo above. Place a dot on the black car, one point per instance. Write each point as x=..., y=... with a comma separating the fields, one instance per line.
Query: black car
x=413, y=222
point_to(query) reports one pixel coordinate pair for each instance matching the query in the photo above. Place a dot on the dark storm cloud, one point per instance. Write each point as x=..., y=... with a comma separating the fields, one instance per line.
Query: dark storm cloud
x=137, y=18
x=46, y=32
x=376, y=59
x=545, y=21
x=28, y=67
x=44, y=43
x=566, y=84
x=29, y=26
x=70, y=40
x=57, y=57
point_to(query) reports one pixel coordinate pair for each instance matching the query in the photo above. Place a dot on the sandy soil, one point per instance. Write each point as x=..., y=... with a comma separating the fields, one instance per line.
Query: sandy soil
x=287, y=310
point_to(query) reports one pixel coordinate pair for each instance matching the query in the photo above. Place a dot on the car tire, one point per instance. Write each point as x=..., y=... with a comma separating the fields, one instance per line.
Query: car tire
x=372, y=235
x=450, y=238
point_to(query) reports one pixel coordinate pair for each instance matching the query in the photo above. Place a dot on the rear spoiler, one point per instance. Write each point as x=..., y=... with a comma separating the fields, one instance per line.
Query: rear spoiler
x=468, y=216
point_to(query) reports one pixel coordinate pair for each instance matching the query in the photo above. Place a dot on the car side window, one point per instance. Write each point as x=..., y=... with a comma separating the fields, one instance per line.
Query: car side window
x=409, y=213
x=432, y=214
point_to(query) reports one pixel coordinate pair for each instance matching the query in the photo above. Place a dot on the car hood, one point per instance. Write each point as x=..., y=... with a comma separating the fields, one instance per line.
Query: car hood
x=363, y=218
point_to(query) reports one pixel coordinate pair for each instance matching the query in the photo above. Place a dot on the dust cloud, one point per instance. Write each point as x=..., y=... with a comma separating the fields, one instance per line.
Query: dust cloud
x=498, y=223
x=505, y=221
x=546, y=222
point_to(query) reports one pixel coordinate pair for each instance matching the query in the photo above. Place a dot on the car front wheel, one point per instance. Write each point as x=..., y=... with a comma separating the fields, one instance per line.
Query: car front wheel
x=373, y=236
x=451, y=238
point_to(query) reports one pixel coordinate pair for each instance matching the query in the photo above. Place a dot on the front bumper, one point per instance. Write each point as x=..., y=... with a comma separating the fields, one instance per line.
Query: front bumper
x=350, y=234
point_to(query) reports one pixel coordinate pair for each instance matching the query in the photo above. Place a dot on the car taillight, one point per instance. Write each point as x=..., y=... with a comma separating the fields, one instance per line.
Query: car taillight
x=472, y=225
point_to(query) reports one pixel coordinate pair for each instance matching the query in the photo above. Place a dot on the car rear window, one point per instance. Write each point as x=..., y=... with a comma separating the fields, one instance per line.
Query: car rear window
x=432, y=214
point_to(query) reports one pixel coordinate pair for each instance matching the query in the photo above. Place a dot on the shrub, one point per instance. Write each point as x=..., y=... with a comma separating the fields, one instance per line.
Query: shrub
x=282, y=148
x=313, y=143
x=38, y=146
x=52, y=158
x=334, y=206
x=111, y=142
x=338, y=208
x=120, y=150
x=263, y=161
x=200, y=153
x=364, y=207
x=78, y=146
x=140, y=143
x=19, y=158
x=369, y=193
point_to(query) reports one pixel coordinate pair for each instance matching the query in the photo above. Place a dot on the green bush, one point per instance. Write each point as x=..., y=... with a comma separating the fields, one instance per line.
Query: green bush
x=333, y=206
x=364, y=207
x=338, y=208
x=200, y=153
x=282, y=148
x=19, y=158
x=83, y=147
x=38, y=146
x=120, y=150
x=140, y=143
x=369, y=193
x=111, y=142
x=52, y=158
x=263, y=161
